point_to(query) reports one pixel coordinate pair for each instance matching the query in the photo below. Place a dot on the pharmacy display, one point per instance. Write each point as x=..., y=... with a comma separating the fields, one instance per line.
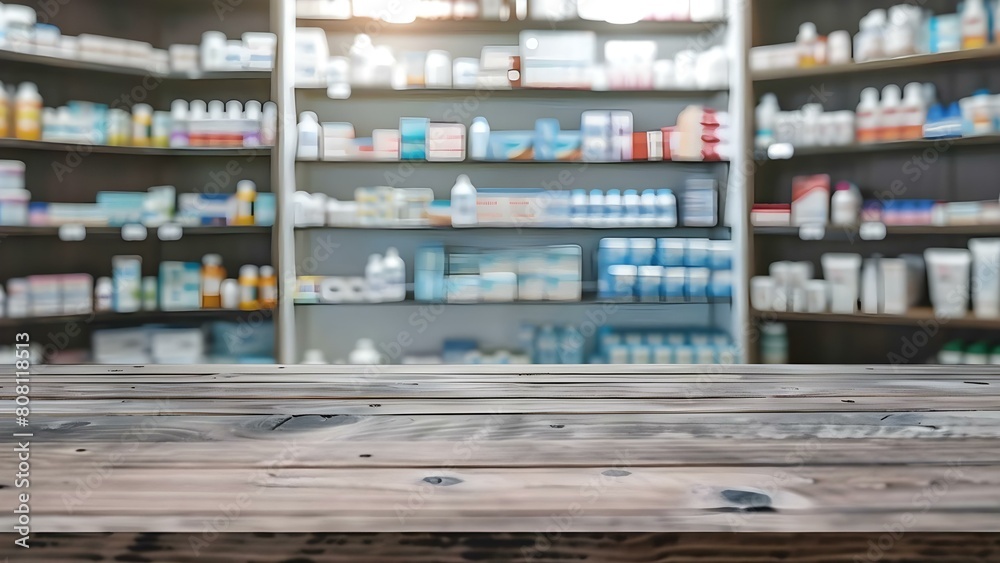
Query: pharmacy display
x=700, y=135
x=542, y=59
x=21, y=32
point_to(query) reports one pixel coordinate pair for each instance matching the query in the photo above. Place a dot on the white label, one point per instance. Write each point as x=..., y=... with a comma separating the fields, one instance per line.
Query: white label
x=133, y=232
x=211, y=286
x=73, y=232
x=169, y=231
x=812, y=232
x=872, y=231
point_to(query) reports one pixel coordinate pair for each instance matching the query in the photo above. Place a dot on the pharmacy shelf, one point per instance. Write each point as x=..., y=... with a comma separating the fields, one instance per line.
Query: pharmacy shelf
x=940, y=145
x=913, y=317
x=75, y=64
x=559, y=93
x=910, y=61
x=512, y=162
x=373, y=26
x=851, y=234
x=672, y=231
x=116, y=231
x=585, y=301
x=83, y=148
x=140, y=317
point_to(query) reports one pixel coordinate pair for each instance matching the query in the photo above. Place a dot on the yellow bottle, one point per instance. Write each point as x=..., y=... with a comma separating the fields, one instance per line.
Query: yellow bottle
x=248, y=288
x=268, y=288
x=28, y=112
x=246, y=195
x=4, y=112
x=212, y=274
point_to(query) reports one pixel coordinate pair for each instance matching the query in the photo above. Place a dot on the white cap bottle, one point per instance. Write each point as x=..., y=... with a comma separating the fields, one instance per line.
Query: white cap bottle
x=394, y=274
x=839, y=47
x=890, y=123
x=251, y=124
x=374, y=278
x=103, y=294
x=197, y=114
x=178, y=123
x=806, y=42
x=868, y=116
x=479, y=139
x=229, y=294
x=308, y=148
x=463, y=203
x=913, y=113
x=975, y=25
x=766, y=112
x=364, y=353
x=269, y=124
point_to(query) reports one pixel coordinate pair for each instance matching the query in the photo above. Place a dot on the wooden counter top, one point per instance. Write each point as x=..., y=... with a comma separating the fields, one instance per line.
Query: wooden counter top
x=509, y=449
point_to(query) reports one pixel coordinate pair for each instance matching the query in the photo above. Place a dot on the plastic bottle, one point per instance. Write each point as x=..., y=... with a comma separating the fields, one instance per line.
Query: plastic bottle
x=891, y=112
x=913, y=113
x=267, y=288
x=595, y=208
x=394, y=274
x=975, y=25
x=149, y=286
x=197, y=114
x=845, y=206
x=269, y=124
x=982, y=113
x=364, y=353
x=308, y=136
x=28, y=112
x=142, y=125
x=251, y=129
x=666, y=208
x=463, y=203
x=232, y=134
x=246, y=194
x=613, y=210
x=839, y=48
x=547, y=346
x=806, y=42
x=212, y=275
x=229, y=292
x=103, y=294
x=4, y=112
x=216, y=121
x=767, y=111
x=868, y=43
x=868, y=116
x=374, y=278
x=479, y=139
x=179, y=123
x=248, y=287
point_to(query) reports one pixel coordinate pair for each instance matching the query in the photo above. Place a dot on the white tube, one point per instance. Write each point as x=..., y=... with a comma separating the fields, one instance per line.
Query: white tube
x=843, y=272
x=985, y=278
x=948, y=273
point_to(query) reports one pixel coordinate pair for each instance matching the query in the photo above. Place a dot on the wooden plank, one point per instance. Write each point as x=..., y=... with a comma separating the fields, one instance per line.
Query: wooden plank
x=619, y=497
x=479, y=450
x=347, y=428
x=684, y=449
x=493, y=373
x=318, y=406
x=519, y=390
x=555, y=547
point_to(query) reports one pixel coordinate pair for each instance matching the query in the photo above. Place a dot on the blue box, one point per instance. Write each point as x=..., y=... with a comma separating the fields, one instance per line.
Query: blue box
x=413, y=138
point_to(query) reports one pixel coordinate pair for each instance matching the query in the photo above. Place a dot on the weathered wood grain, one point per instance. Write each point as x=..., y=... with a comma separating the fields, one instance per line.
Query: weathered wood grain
x=679, y=449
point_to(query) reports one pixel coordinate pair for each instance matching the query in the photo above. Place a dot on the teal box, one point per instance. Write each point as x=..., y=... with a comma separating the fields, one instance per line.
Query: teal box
x=264, y=210
x=413, y=138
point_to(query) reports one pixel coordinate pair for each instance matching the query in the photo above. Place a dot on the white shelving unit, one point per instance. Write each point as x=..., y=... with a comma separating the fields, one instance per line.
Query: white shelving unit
x=342, y=251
